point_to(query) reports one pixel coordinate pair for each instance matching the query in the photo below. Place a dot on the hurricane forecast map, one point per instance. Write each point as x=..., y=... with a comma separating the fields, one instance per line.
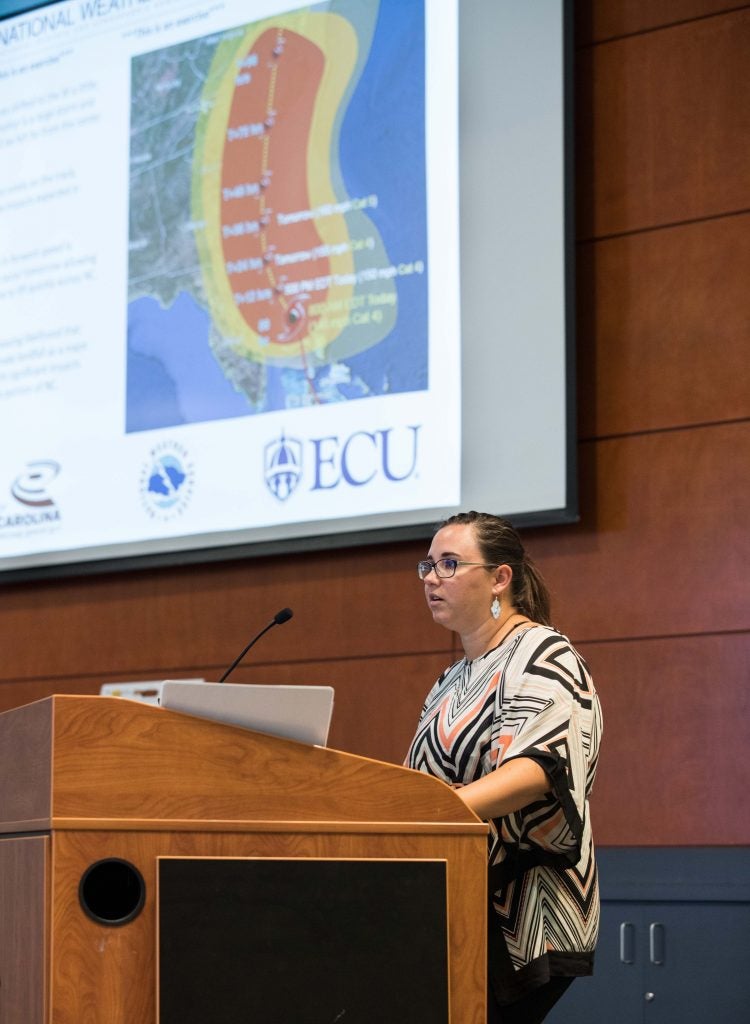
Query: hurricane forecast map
x=277, y=225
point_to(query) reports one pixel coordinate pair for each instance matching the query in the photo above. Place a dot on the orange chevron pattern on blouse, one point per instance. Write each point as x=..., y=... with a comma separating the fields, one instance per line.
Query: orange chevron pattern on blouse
x=532, y=696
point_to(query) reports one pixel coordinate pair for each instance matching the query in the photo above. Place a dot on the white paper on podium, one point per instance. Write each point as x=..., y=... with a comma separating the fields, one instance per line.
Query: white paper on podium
x=145, y=692
x=300, y=713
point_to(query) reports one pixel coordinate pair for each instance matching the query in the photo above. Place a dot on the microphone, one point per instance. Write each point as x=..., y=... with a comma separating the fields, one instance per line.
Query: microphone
x=280, y=617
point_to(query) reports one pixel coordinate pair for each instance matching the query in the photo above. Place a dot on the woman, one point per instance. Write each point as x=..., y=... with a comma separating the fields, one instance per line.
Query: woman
x=514, y=726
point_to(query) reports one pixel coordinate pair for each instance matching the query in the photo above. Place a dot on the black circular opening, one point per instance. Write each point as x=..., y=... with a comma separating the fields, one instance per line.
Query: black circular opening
x=112, y=891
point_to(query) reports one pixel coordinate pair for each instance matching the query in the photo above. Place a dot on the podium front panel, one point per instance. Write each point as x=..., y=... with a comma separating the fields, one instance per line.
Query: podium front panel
x=304, y=940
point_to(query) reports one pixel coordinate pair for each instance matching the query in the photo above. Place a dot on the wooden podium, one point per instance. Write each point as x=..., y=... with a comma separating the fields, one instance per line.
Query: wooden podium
x=99, y=793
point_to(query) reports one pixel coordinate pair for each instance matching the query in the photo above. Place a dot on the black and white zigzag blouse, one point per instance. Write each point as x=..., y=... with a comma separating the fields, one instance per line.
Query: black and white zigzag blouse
x=530, y=697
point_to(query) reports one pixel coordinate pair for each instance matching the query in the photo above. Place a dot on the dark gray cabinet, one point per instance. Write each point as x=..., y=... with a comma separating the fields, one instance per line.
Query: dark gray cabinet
x=674, y=944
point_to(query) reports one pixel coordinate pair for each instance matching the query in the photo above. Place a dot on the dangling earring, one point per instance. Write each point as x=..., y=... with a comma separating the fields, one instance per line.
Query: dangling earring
x=495, y=608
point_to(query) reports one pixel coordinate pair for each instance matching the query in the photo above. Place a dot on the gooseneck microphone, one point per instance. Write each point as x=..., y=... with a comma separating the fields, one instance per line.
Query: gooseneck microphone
x=280, y=617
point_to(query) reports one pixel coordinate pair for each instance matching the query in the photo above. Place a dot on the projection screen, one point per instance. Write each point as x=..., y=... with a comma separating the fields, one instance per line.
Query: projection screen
x=276, y=277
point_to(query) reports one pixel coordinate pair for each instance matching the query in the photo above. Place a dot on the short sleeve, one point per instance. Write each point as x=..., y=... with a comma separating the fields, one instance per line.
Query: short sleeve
x=547, y=710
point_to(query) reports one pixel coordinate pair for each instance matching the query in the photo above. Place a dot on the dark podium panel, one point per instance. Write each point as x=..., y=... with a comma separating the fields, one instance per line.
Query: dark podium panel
x=309, y=941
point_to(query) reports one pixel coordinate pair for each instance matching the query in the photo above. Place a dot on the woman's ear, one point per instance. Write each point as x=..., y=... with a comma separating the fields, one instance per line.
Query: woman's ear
x=503, y=577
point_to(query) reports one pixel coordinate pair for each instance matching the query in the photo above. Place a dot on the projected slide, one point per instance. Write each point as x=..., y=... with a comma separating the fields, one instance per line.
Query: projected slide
x=277, y=197
x=229, y=272
x=235, y=304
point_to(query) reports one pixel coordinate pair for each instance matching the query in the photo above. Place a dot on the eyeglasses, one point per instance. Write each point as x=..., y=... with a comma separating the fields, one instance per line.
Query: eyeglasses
x=444, y=568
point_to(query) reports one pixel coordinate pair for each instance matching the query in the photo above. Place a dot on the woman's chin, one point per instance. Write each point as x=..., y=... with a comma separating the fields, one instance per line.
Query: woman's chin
x=440, y=614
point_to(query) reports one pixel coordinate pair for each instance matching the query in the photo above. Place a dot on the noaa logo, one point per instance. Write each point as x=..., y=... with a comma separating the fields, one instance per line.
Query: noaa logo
x=30, y=487
x=282, y=460
x=167, y=481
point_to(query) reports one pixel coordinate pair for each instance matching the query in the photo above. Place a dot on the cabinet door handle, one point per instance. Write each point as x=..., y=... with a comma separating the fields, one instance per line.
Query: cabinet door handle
x=656, y=943
x=627, y=943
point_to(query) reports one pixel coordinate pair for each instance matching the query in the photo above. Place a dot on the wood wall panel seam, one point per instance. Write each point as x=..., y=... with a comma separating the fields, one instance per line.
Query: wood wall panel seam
x=584, y=240
x=676, y=429
x=649, y=30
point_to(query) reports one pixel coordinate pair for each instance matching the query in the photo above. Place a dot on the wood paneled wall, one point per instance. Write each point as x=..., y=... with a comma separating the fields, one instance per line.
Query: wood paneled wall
x=652, y=583
x=656, y=572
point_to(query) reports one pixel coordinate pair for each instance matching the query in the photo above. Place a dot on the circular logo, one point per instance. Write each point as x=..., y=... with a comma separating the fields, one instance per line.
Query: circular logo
x=167, y=481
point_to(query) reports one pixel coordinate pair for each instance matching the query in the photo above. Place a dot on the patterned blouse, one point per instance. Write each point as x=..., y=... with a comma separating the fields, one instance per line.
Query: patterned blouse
x=530, y=697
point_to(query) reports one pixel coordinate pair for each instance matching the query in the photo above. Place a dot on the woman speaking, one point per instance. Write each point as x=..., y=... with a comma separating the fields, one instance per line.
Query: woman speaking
x=514, y=726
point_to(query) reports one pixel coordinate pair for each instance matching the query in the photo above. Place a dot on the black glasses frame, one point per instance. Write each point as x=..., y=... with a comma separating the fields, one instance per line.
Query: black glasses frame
x=445, y=568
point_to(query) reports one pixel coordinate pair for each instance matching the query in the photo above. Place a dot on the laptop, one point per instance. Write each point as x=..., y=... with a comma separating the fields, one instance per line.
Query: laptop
x=301, y=713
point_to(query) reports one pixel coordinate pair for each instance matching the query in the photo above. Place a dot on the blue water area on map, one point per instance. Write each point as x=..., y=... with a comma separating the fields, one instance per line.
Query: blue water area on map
x=172, y=374
x=382, y=150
